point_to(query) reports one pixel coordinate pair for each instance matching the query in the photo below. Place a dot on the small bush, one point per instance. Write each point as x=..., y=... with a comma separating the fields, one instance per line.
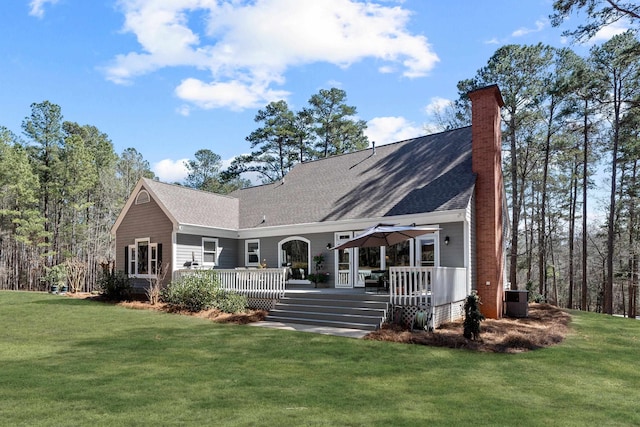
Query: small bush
x=115, y=286
x=231, y=302
x=472, y=317
x=534, y=295
x=193, y=292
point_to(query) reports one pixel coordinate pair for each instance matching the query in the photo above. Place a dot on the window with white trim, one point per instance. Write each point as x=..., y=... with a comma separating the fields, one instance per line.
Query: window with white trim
x=143, y=197
x=252, y=253
x=295, y=254
x=209, y=251
x=143, y=258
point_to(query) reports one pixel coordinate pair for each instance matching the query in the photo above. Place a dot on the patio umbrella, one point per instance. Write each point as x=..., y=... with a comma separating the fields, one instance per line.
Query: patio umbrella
x=385, y=235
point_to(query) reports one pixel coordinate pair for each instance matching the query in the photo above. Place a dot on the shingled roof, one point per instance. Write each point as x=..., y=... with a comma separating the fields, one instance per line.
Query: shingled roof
x=194, y=207
x=427, y=174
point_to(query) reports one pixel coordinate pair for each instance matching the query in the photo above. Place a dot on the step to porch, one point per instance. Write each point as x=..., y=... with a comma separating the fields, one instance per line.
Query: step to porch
x=353, y=311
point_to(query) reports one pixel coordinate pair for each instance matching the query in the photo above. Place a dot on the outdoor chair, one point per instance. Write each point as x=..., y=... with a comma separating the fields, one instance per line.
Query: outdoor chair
x=377, y=279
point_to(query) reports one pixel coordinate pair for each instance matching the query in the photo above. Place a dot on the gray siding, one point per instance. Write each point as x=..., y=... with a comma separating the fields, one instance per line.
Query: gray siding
x=141, y=221
x=452, y=255
x=189, y=246
x=269, y=250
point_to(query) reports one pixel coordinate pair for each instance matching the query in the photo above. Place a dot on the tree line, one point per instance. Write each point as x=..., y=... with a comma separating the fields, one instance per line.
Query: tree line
x=284, y=138
x=62, y=184
x=565, y=118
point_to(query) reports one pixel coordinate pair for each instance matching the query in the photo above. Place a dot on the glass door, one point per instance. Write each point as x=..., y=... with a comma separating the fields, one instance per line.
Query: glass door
x=343, y=261
x=369, y=259
x=427, y=251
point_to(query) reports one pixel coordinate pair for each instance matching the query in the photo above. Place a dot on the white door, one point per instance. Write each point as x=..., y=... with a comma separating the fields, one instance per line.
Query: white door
x=427, y=253
x=343, y=269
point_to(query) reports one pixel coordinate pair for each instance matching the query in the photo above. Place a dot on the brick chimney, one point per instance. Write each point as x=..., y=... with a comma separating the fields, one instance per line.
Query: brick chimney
x=489, y=198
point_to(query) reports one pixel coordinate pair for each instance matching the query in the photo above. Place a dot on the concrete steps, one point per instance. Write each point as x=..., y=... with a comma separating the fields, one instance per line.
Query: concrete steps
x=354, y=311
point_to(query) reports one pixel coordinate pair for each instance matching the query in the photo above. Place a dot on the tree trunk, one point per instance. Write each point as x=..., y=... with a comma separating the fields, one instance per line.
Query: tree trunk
x=608, y=290
x=515, y=207
x=585, y=182
x=572, y=228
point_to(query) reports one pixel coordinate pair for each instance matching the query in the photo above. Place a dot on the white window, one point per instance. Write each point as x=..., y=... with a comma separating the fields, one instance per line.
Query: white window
x=295, y=254
x=252, y=253
x=209, y=251
x=142, y=197
x=143, y=258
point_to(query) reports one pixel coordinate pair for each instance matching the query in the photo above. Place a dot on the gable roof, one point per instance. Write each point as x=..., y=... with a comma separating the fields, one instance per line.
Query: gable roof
x=427, y=174
x=195, y=207
x=187, y=206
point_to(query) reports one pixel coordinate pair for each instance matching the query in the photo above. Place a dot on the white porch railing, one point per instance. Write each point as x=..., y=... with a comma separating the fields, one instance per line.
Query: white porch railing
x=254, y=283
x=425, y=286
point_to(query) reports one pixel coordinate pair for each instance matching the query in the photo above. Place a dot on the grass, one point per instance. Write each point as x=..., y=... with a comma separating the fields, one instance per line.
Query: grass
x=66, y=361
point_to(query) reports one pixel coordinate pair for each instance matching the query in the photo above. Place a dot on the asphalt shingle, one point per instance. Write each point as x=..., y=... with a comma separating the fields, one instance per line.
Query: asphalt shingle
x=426, y=174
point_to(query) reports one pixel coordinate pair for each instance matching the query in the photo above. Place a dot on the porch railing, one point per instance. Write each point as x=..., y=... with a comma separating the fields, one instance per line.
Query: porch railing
x=424, y=286
x=254, y=283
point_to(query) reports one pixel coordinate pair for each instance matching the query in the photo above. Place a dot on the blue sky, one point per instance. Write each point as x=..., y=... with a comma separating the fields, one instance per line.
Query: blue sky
x=170, y=77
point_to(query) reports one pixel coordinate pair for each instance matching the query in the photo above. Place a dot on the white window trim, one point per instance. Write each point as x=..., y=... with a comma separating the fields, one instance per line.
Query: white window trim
x=133, y=258
x=436, y=248
x=246, y=253
x=140, y=200
x=309, y=259
x=215, y=255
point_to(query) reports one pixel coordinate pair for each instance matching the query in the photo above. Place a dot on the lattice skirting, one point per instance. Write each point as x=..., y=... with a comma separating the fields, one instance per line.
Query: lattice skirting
x=405, y=314
x=262, y=303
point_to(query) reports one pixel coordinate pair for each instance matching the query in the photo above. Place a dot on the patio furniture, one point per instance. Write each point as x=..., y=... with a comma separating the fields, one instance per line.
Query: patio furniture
x=377, y=279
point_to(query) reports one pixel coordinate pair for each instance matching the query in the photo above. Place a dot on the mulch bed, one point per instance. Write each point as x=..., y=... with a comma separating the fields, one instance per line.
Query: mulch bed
x=545, y=326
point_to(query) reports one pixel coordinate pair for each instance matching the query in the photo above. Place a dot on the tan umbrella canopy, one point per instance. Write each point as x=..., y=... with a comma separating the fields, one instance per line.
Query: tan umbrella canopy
x=385, y=235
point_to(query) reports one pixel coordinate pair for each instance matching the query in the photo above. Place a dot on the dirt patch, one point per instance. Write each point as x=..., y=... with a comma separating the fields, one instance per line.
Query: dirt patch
x=546, y=325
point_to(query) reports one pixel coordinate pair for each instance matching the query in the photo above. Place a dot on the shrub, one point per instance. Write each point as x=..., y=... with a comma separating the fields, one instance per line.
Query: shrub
x=231, y=302
x=115, y=286
x=534, y=295
x=472, y=317
x=193, y=292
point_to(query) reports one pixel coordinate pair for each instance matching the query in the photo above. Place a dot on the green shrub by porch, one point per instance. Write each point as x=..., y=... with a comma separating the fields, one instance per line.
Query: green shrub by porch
x=193, y=292
x=202, y=291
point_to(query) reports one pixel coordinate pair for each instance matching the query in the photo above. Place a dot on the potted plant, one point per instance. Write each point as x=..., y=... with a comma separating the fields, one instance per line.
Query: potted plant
x=318, y=276
x=56, y=277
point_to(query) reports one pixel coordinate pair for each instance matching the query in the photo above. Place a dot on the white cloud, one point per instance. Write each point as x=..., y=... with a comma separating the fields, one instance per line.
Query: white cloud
x=523, y=31
x=437, y=106
x=37, y=7
x=492, y=41
x=184, y=110
x=233, y=94
x=384, y=130
x=171, y=170
x=247, y=46
x=606, y=33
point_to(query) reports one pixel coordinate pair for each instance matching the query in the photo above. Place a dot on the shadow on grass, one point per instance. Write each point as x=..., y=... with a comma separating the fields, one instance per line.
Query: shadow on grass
x=63, y=300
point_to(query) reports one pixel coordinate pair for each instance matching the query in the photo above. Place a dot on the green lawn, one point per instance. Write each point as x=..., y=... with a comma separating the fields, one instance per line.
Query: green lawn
x=65, y=361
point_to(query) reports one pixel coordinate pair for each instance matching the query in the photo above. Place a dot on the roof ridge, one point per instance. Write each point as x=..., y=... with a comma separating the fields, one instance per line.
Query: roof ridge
x=184, y=187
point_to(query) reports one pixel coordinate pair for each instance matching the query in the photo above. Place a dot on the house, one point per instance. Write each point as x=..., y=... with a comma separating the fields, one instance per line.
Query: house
x=450, y=180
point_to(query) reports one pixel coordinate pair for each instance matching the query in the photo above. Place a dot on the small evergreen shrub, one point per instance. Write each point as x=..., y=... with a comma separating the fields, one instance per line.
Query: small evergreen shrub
x=534, y=295
x=231, y=302
x=115, y=286
x=472, y=317
x=193, y=292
